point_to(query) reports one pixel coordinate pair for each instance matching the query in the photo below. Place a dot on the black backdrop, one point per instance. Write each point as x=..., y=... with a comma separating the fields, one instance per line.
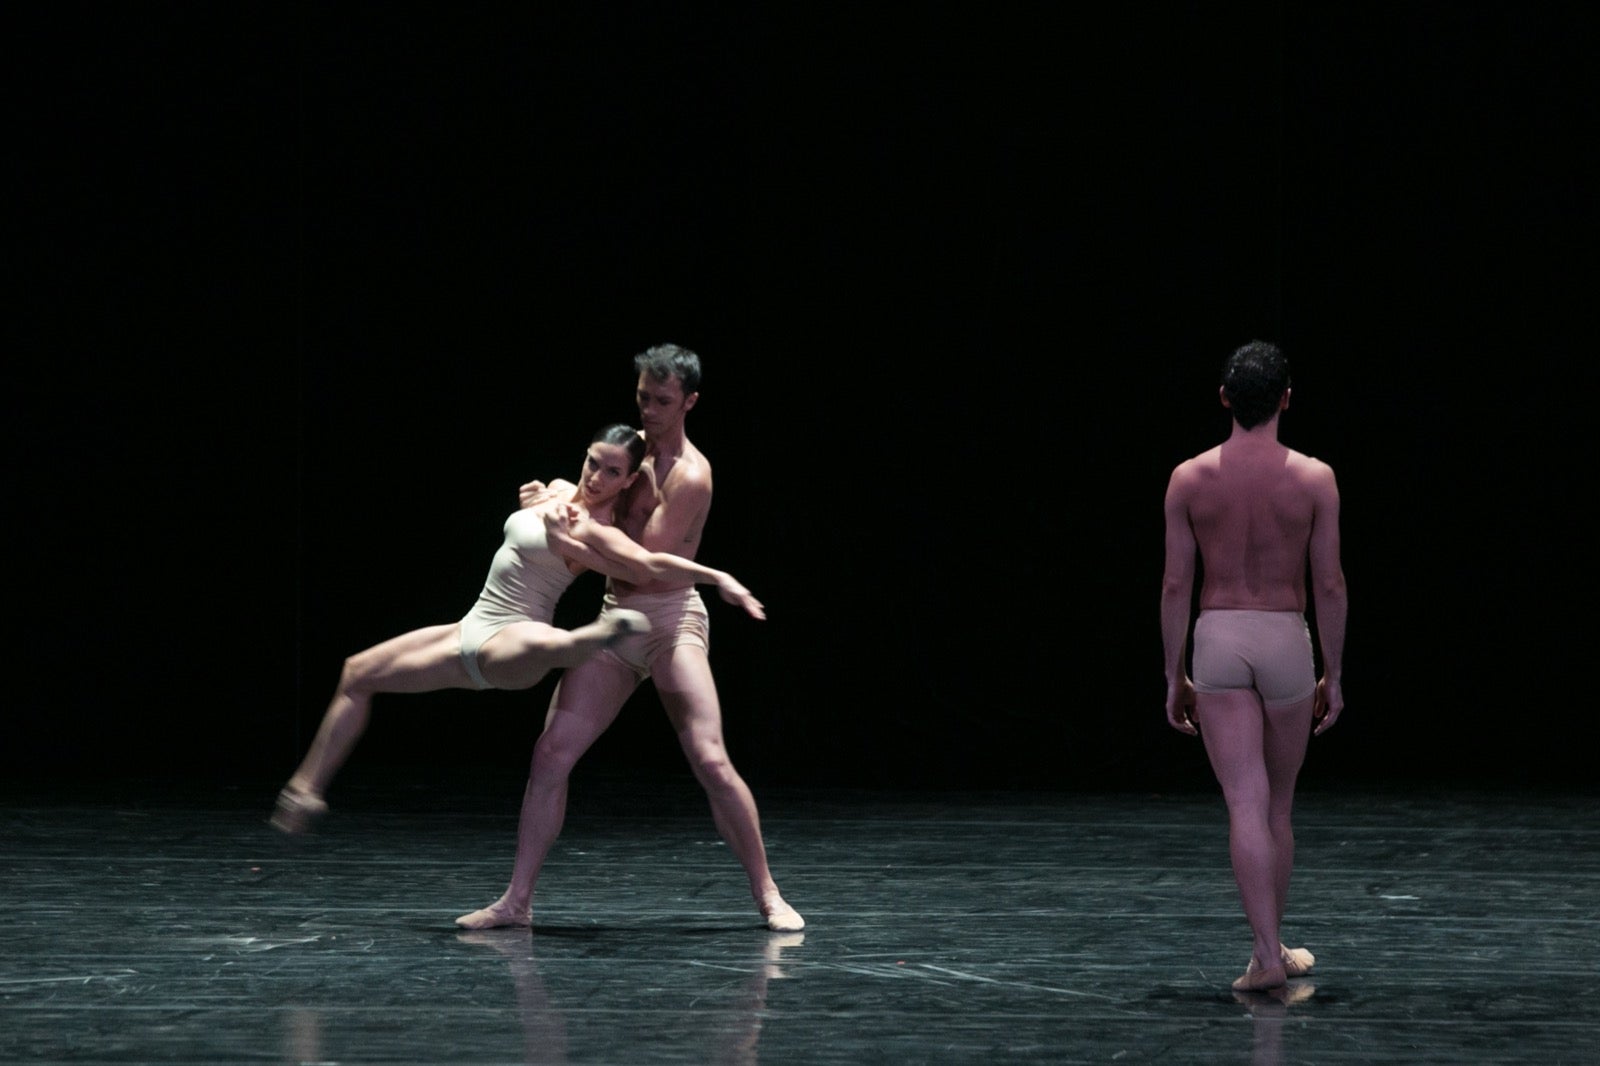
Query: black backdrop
x=307, y=290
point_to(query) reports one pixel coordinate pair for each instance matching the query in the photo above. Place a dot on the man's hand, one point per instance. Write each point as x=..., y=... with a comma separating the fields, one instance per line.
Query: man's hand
x=1329, y=702
x=1180, y=706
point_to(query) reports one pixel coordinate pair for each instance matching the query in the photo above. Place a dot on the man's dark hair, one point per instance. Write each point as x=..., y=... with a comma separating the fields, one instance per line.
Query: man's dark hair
x=1254, y=380
x=670, y=361
x=625, y=435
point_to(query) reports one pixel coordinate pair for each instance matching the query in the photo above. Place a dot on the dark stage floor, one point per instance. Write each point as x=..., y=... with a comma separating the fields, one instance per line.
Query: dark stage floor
x=1450, y=928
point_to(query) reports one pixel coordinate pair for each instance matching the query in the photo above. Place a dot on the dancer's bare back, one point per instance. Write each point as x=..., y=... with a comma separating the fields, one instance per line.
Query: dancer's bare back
x=1254, y=508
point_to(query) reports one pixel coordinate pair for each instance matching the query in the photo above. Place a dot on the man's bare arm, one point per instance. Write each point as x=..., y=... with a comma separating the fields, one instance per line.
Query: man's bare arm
x=1177, y=590
x=1329, y=596
x=679, y=517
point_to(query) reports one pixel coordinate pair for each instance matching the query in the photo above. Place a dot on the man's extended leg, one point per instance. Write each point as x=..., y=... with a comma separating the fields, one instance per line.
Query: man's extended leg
x=585, y=703
x=689, y=694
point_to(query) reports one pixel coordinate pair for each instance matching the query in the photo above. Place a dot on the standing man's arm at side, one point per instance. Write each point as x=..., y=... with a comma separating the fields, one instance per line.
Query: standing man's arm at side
x=1177, y=589
x=1328, y=594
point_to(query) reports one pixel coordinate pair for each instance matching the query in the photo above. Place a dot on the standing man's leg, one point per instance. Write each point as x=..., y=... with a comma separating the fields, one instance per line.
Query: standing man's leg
x=1256, y=757
x=585, y=703
x=688, y=691
x=1285, y=737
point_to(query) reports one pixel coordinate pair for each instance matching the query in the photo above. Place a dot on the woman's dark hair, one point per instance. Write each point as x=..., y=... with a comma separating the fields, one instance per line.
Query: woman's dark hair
x=625, y=435
x=1254, y=380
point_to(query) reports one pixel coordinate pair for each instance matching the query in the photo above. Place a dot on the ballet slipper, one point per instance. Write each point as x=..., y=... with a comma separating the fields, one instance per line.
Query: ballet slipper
x=1297, y=962
x=1259, y=980
x=1299, y=992
x=496, y=916
x=297, y=812
x=773, y=954
x=1276, y=999
x=625, y=623
x=780, y=917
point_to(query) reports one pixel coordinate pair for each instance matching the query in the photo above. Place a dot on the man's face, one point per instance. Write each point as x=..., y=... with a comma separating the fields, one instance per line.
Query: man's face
x=662, y=404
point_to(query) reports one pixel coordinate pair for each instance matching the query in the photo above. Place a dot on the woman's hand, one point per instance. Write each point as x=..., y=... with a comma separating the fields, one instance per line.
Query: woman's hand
x=736, y=594
x=566, y=523
x=533, y=493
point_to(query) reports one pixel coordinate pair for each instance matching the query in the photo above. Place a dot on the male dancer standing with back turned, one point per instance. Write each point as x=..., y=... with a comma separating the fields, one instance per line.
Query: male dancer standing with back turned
x=1256, y=513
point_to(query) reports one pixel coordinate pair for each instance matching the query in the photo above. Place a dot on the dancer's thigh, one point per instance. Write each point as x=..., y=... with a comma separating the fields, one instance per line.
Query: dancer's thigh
x=1232, y=725
x=1287, y=731
x=520, y=655
x=585, y=703
x=422, y=660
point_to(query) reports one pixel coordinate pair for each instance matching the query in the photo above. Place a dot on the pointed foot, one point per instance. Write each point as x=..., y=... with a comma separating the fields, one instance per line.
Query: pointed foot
x=1297, y=962
x=780, y=917
x=496, y=915
x=624, y=623
x=297, y=812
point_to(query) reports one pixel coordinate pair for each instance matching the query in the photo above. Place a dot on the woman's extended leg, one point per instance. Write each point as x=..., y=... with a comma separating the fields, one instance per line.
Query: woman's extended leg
x=423, y=660
x=521, y=654
x=426, y=660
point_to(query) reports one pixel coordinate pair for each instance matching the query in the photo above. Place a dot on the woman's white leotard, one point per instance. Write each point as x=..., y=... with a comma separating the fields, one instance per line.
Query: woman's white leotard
x=525, y=581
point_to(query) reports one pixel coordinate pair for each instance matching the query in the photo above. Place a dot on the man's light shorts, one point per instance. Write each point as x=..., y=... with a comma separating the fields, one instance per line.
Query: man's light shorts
x=1268, y=651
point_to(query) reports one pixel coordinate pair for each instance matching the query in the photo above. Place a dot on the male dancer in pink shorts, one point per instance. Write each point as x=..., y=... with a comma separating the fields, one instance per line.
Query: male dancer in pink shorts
x=1255, y=514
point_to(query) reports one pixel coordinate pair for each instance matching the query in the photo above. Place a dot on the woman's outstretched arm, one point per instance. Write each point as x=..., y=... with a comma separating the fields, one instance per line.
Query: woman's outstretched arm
x=610, y=551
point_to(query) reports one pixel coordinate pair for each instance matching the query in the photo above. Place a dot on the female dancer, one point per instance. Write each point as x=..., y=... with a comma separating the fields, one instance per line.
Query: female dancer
x=507, y=640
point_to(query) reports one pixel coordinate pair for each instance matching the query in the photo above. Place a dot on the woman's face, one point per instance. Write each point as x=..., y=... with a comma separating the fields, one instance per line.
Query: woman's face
x=606, y=472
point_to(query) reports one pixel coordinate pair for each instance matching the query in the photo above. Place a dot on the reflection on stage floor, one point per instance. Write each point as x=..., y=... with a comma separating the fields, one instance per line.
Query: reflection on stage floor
x=942, y=928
